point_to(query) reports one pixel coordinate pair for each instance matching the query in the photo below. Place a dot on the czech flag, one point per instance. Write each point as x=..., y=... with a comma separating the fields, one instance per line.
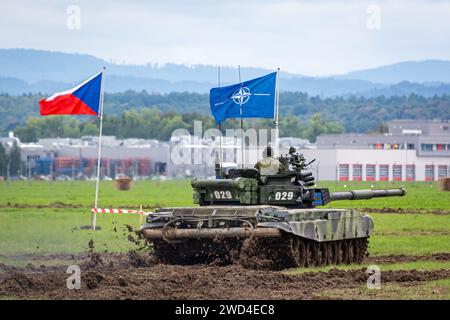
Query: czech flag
x=83, y=99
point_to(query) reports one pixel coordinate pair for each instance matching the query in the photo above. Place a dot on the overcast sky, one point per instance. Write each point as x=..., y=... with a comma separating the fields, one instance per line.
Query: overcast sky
x=307, y=37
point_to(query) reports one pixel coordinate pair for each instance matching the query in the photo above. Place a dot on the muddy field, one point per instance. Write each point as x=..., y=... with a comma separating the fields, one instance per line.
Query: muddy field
x=136, y=276
x=410, y=233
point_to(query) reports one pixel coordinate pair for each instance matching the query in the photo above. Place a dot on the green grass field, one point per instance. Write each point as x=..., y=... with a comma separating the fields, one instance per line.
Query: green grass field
x=81, y=193
x=28, y=228
x=421, y=195
x=429, y=290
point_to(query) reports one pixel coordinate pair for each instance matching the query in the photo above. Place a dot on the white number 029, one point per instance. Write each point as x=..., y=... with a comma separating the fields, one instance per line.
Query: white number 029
x=284, y=195
x=223, y=194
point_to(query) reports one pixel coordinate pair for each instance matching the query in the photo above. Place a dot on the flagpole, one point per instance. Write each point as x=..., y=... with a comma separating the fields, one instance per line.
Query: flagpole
x=102, y=89
x=277, y=100
x=242, y=121
x=220, y=129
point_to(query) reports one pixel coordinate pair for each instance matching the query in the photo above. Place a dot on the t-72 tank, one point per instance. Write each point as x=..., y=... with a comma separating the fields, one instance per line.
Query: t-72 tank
x=264, y=221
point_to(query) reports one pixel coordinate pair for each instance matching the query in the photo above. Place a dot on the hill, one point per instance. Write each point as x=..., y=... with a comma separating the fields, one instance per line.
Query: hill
x=38, y=71
x=411, y=71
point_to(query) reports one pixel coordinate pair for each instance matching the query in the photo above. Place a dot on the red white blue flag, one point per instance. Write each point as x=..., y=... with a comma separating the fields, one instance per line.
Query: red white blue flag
x=82, y=99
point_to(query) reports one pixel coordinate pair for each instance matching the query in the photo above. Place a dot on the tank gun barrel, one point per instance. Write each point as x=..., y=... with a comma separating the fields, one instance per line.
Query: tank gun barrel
x=367, y=194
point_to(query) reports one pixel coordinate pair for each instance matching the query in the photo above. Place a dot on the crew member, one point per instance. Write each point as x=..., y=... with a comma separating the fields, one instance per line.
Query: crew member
x=268, y=165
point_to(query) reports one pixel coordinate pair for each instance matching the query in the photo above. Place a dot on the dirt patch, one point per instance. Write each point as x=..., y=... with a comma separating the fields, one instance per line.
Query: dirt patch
x=137, y=276
x=411, y=233
x=53, y=205
x=62, y=205
x=404, y=211
x=407, y=258
x=42, y=257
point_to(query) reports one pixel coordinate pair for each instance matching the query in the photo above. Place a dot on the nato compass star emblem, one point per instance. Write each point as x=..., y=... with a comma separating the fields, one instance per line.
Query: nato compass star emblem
x=241, y=95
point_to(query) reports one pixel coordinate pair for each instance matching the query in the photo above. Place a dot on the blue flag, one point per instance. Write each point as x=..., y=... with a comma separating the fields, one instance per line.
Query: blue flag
x=250, y=99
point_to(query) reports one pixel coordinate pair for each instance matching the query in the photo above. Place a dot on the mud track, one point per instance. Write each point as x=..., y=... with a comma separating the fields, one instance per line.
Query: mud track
x=404, y=211
x=62, y=205
x=407, y=258
x=135, y=276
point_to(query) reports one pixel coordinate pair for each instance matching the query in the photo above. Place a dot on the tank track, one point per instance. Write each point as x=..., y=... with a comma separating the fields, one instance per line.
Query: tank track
x=294, y=251
x=290, y=251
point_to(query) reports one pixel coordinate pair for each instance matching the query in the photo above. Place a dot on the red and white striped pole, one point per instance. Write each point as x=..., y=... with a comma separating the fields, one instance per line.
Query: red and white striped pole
x=119, y=211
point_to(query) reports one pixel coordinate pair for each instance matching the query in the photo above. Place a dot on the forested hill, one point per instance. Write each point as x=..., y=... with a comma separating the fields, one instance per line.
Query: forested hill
x=355, y=114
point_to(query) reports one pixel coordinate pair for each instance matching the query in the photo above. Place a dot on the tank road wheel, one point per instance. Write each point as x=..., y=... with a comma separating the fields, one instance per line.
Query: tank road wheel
x=322, y=253
x=332, y=252
x=350, y=251
x=301, y=252
x=342, y=252
x=311, y=253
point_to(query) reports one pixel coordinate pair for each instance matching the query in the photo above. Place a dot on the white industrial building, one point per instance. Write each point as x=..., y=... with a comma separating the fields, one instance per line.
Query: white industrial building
x=410, y=151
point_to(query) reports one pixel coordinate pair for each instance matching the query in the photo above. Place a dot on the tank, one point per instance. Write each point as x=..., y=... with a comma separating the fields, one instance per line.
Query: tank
x=264, y=221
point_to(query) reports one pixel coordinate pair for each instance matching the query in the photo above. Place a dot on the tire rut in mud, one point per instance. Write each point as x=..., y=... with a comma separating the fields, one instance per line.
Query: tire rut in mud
x=385, y=259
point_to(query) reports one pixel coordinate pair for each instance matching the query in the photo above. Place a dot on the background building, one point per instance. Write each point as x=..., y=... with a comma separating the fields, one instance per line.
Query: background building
x=410, y=151
x=77, y=158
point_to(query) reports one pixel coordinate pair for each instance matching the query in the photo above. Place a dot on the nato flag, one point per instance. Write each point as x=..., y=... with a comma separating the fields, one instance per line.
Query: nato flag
x=250, y=99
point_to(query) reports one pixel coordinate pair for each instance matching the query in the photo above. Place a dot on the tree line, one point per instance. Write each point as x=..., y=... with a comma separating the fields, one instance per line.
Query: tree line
x=151, y=123
x=160, y=113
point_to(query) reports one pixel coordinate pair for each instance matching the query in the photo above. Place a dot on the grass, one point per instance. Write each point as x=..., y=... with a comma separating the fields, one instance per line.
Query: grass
x=413, y=245
x=430, y=290
x=44, y=231
x=411, y=223
x=421, y=195
x=416, y=265
x=149, y=193
x=414, y=234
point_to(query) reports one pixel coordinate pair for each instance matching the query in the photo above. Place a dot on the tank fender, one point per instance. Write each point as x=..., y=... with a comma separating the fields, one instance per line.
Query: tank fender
x=335, y=225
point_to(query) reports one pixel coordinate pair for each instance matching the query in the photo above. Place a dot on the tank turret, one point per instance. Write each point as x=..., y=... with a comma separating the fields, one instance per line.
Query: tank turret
x=293, y=187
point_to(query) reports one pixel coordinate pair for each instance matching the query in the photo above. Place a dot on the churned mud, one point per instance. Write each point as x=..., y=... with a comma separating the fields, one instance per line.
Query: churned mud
x=404, y=211
x=141, y=276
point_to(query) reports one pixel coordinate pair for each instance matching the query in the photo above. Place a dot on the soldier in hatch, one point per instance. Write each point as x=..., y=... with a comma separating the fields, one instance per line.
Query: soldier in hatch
x=268, y=165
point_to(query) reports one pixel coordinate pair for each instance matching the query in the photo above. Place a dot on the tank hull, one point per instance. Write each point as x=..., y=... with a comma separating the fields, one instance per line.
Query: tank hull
x=273, y=237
